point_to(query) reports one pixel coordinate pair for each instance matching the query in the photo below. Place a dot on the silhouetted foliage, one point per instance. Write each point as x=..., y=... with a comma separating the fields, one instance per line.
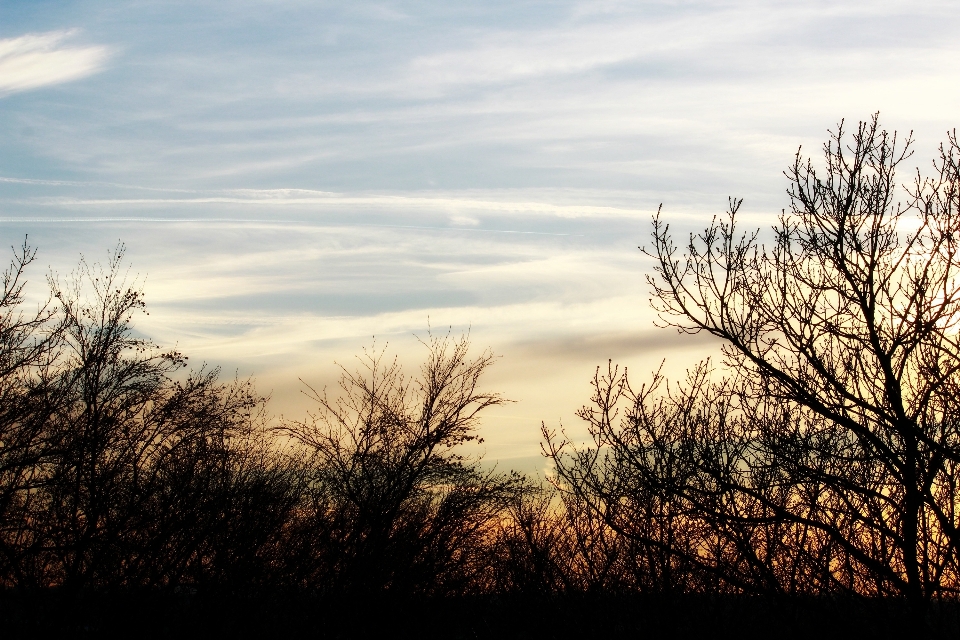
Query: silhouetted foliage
x=823, y=459
x=28, y=344
x=123, y=470
x=813, y=473
x=393, y=504
x=115, y=473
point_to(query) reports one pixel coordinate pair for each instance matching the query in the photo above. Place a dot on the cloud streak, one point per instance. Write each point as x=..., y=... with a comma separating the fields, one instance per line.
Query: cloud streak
x=337, y=200
x=37, y=60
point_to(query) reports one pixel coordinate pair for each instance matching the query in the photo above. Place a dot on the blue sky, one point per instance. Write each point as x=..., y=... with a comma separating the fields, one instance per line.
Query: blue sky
x=292, y=178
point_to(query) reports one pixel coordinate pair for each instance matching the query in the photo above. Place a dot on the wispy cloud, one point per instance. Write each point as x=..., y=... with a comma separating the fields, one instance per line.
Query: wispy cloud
x=277, y=198
x=40, y=59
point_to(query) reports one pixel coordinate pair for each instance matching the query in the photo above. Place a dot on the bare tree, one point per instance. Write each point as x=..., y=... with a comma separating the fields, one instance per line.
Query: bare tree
x=118, y=471
x=660, y=472
x=826, y=456
x=28, y=346
x=395, y=505
x=109, y=381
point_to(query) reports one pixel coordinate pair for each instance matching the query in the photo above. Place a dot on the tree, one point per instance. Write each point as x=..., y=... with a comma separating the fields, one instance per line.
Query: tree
x=117, y=469
x=395, y=504
x=101, y=431
x=826, y=456
x=28, y=347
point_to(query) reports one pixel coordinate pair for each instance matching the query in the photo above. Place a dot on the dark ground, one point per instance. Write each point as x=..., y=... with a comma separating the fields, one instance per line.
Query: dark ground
x=174, y=615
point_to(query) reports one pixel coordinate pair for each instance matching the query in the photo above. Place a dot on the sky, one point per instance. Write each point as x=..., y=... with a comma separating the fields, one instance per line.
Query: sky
x=295, y=181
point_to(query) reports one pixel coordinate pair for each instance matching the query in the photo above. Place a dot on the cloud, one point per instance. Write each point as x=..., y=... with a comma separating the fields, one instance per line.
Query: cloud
x=320, y=199
x=37, y=60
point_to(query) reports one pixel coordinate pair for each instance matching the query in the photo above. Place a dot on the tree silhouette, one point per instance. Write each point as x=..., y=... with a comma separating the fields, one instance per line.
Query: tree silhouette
x=825, y=457
x=819, y=459
x=395, y=505
x=28, y=344
x=118, y=472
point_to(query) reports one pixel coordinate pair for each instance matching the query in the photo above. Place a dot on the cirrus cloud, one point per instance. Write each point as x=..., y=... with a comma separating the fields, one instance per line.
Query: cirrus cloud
x=40, y=59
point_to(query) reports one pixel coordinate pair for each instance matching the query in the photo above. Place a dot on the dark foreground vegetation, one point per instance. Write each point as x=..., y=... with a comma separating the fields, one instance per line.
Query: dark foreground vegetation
x=806, y=485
